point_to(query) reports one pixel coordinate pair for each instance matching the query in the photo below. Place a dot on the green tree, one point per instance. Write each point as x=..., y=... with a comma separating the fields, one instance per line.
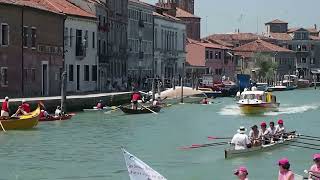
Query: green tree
x=265, y=65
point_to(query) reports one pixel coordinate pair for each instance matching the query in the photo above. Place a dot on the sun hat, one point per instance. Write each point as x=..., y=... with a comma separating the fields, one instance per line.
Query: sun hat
x=263, y=124
x=283, y=161
x=316, y=156
x=280, y=121
x=242, y=129
x=242, y=170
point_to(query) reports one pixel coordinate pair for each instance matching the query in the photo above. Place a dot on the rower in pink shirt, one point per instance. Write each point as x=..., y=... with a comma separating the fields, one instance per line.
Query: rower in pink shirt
x=315, y=168
x=284, y=170
x=242, y=173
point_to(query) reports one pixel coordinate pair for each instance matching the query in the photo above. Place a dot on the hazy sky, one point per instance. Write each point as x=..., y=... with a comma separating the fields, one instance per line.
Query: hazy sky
x=220, y=16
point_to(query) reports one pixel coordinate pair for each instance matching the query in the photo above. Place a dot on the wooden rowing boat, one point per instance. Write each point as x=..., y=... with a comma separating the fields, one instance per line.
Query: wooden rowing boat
x=56, y=118
x=140, y=111
x=23, y=122
x=231, y=152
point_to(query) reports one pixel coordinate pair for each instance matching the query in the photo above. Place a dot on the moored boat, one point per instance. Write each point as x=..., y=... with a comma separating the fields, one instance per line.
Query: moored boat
x=143, y=110
x=210, y=93
x=281, y=88
x=23, y=122
x=231, y=152
x=56, y=118
x=257, y=102
x=95, y=109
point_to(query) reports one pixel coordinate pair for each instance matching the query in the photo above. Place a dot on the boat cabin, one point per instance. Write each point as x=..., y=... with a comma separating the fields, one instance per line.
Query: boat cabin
x=258, y=97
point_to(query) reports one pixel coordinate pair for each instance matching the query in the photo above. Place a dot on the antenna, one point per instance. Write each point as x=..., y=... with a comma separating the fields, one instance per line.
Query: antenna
x=257, y=25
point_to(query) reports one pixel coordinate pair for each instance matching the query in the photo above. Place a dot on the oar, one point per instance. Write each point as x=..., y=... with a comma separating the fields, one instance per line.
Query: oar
x=193, y=146
x=305, y=147
x=309, y=139
x=214, y=137
x=148, y=108
x=312, y=173
x=2, y=127
x=306, y=143
x=314, y=137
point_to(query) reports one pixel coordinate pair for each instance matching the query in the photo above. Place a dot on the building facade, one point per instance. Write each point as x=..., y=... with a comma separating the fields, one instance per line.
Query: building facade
x=140, y=40
x=169, y=46
x=80, y=42
x=305, y=42
x=31, y=49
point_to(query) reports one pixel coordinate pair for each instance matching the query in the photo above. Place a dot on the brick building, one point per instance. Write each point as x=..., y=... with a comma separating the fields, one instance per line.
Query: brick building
x=31, y=48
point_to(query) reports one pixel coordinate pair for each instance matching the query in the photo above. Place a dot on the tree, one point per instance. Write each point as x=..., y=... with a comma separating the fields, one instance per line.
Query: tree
x=265, y=65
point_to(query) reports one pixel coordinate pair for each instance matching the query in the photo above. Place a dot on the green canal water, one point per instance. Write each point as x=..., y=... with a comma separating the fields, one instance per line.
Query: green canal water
x=88, y=146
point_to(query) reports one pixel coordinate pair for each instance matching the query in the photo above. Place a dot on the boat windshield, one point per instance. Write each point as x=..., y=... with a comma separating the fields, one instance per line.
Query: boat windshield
x=252, y=96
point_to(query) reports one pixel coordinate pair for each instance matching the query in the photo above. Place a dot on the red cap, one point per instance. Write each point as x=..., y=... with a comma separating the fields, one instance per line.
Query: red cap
x=280, y=121
x=316, y=156
x=263, y=124
x=242, y=170
x=283, y=161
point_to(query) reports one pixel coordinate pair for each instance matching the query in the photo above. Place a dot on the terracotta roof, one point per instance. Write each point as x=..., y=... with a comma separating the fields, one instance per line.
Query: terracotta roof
x=141, y=2
x=184, y=14
x=281, y=36
x=70, y=9
x=167, y=16
x=44, y=5
x=260, y=46
x=236, y=37
x=218, y=41
x=207, y=44
x=276, y=21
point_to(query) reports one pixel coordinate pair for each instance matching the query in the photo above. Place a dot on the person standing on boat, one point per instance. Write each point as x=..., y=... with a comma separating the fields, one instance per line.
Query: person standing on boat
x=5, y=107
x=241, y=173
x=255, y=136
x=284, y=170
x=135, y=97
x=241, y=140
x=315, y=168
x=264, y=133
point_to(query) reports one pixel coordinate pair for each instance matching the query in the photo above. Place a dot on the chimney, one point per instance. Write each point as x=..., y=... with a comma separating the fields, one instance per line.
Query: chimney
x=238, y=30
x=315, y=26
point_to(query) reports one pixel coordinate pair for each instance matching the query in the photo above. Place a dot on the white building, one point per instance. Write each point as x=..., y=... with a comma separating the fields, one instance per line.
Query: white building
x=169, y=45
x=81, y=60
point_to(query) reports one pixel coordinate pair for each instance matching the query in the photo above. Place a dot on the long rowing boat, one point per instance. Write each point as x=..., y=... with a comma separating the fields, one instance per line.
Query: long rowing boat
x=231, y=152
x=127, y=110
x=28, y=121
x=57, y=118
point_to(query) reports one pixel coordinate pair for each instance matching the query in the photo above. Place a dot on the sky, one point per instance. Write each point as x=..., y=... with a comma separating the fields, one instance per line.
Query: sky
x=225, y=16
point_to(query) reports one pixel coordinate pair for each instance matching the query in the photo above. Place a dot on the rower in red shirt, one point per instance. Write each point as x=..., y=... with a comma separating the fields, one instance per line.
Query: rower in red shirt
x=5, y=107
x=25, y=106
x=135, y=97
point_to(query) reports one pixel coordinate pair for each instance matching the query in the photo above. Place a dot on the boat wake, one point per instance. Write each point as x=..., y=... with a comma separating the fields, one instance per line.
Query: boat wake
x=293, y=110
x=234, y=110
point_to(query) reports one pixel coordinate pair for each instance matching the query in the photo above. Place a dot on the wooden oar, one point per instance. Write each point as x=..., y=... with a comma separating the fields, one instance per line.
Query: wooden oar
x=193, y=146
x=2, y=127
x=214, y=138
x=147, y=108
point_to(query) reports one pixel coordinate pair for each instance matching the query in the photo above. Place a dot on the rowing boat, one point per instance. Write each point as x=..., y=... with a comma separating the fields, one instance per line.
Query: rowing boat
x=23, y=122
x=127, y=110
x=231, y=152
x=57, y=118
x=94, y=109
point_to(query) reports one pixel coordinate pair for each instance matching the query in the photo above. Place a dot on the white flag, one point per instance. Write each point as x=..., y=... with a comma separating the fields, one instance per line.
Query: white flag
x=138, y=170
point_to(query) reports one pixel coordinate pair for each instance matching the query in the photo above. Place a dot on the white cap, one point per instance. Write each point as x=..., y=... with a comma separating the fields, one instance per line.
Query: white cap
x=23, y=100
x=6, y=98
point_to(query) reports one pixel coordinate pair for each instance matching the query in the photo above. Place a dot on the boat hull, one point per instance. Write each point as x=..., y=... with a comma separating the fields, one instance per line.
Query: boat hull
x=55, y=118
x=258, y=108
x=127, y=110
x=23, y=122
x=231, y=152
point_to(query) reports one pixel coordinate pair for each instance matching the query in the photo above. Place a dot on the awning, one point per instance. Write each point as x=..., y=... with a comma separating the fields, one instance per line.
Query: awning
x=315, y=71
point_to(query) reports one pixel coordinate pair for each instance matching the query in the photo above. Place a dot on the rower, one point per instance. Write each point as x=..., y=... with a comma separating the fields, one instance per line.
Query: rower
x=272, y=131
x=241, y=140
x=241, y=173
x=100, y=105
x=264, y=133
x=284, y=170
x=157, y=102
x=315, y=168
x=58, y=112
x=280, y=128
x=5, y=107
x=205, y=101
x=135, y=97
x=255, y=136
x=23, y=109
x=43, y=113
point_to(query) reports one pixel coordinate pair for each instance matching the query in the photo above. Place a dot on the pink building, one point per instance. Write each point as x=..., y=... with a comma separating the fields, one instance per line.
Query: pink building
x=216, y=59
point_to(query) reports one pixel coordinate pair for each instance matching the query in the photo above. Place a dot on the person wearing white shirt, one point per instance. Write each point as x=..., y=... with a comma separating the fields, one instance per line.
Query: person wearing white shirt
x=272, y=129
x=255, y=136
x=281, y=130
x=58, y=112
x=264, y=133
x=241, y=140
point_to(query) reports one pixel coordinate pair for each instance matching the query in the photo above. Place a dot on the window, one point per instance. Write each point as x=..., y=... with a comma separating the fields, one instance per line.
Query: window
x=93, y=40
x=4, y=34
x=86, y=72
x=66, y=37
x=299, y=48
x=290, y=47
x=312, y=47
x=303, y=60
x=86, y=39
x=94, y=73
x=219, y=55
x=104, y=20
x=33, y=74
x=211, y=55
x=104, y=48
x=4, y=76
x=155, y=38
x=71, y=36
x=33, y=37
x=25, y=36
x=304, y=48
x=207, y=54
x=79, y=45
x=71, y=72
x=216, y=55
x=99, y=47
x=313, y=61
x=99, y=20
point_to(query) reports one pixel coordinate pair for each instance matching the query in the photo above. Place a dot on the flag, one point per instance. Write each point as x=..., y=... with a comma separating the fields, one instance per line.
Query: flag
x=138, y=170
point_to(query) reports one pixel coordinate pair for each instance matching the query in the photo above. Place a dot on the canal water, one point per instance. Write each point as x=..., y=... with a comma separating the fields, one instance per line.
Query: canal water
x=88, y=146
